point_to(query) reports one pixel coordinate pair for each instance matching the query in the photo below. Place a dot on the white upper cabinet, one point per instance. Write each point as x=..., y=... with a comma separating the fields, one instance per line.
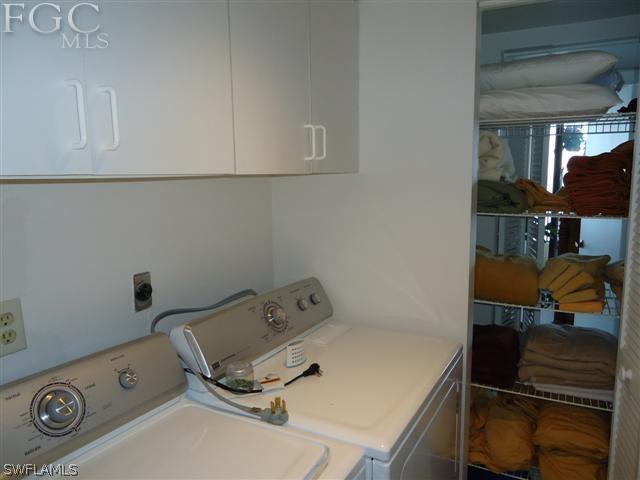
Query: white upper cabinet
x=271, y=92
x=42, y=87
x=334, y=84
x=189, y=87
x=159, y=96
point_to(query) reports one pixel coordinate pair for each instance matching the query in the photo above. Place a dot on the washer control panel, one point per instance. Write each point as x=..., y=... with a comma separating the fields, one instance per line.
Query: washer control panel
x=53, y=413
x=252, y=328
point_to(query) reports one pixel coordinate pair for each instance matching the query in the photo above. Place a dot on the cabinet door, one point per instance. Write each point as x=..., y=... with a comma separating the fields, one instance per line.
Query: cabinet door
x=334, y=84
x=42, y=90
x=270, y=65
x=160, y=93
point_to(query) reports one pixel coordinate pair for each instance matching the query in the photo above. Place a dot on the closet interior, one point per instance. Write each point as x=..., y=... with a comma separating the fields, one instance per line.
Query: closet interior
x=557, y=195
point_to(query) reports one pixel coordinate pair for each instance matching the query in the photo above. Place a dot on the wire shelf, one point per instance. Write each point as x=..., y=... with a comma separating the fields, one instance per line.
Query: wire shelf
x=523, y=474
x=549, y=215
x=529, y=391
x=541, y=127
x=546, y=303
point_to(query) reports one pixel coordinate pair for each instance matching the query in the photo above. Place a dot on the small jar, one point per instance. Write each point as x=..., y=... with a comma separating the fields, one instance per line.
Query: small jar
x=240, y=376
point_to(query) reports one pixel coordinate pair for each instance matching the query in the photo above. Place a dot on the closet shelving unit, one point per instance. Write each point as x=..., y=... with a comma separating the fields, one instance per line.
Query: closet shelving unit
x=527, y=130
x=546, y=303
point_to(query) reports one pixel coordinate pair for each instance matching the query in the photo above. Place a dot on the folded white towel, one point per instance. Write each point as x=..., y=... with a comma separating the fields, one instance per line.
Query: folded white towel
x=494, y=158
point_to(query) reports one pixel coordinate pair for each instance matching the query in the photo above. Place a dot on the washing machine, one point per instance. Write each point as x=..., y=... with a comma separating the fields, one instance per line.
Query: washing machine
x=123, y=414
x=396, y=395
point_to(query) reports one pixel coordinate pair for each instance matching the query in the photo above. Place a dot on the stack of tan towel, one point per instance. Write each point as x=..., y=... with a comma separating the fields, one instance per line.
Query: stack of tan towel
x=559, y=356
x=507, y=432
x=576, y=281
x=573, y=442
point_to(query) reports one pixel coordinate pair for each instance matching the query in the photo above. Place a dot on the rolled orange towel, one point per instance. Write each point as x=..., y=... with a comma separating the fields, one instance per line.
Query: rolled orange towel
x=554, y=268
x=586, y=295
x=570, y=273
x=594, y=306
x=579, y=282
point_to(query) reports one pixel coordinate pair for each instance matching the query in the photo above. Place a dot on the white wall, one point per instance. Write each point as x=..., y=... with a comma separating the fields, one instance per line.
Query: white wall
x=392, y=243
x=69, y=251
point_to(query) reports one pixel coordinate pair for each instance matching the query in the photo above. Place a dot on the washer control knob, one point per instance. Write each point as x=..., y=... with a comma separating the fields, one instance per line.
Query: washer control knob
x=57, y=409
x=315, y=298
x=303, y=304
x=128, y=378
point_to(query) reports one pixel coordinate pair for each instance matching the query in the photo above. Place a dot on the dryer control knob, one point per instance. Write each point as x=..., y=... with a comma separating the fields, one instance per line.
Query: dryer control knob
x=128, y=378
x=303, y=304
x=315, y=298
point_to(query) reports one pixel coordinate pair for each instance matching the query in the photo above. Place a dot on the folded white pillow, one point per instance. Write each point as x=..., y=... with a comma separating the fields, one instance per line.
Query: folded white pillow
x=547, y=71
x=585, y=99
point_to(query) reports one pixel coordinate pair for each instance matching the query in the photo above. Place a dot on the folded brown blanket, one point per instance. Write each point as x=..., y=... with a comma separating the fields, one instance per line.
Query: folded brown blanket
x=506, y=278
x=496, y=352
x=583, y=365
x=572, y=344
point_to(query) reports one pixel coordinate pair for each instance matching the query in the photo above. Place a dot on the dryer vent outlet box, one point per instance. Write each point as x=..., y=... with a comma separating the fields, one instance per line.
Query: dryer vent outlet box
x=142, y=291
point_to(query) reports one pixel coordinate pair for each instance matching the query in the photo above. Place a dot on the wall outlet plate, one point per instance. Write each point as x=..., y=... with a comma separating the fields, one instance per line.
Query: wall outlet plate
x=12, y=336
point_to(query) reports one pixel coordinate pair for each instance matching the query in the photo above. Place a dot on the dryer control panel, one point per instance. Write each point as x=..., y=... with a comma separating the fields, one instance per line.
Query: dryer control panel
x=249, y=329
x=51, y=414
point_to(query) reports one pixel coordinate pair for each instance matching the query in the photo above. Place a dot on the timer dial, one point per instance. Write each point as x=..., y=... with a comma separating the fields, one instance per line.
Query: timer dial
x=128, y=378
x=57, y=409
x=275, y=316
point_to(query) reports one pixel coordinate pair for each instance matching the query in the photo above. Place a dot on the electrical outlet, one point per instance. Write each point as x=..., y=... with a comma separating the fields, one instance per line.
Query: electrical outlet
x=12, y=336
x=8, y=336
x=6, y=319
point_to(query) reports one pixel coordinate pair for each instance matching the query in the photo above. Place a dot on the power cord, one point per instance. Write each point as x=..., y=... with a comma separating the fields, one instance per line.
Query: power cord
x=276, y=415
x=314, y=369
x=221, y=303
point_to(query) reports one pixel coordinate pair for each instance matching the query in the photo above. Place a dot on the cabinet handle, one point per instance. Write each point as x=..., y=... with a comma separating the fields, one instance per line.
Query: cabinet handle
x=626, y=375
x=115, y=122
x=313, y=142
x=324, y=142
x=82, y=115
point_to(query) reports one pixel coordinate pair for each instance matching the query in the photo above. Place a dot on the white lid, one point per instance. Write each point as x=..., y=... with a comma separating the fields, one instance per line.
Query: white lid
x=374, y=382
x=191, y=441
